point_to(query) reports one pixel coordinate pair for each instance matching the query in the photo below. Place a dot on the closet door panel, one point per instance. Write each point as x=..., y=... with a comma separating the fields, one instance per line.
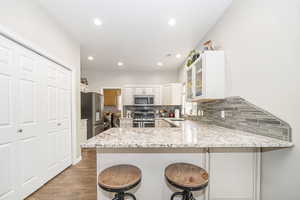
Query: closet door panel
x=52, y=120
x=7, y=172
x=30, y=166
x=8, y=130
x=65, y=109
x=28, y=83
x=52, y=101
x=64, y=117
x=7, y=92
x=29, y=120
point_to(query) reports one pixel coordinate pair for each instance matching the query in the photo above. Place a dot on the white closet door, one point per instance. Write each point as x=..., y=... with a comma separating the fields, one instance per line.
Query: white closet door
x=29, y=120
x=52, y=120
x=64, y=117
x=8, y=130
x=58, y=119
x=35, y=120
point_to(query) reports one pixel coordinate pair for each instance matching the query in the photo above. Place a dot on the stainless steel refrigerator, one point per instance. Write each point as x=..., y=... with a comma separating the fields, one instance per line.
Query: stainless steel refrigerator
x=92, y=109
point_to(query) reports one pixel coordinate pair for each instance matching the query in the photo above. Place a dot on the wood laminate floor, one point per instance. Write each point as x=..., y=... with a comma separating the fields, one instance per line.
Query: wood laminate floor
x=78, y=182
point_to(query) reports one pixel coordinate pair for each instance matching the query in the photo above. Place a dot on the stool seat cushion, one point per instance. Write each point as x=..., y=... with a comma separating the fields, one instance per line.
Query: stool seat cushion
x=119, y=177
x=186, y=176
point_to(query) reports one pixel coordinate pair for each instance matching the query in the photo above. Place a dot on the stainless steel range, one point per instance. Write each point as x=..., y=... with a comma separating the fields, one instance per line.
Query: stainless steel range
x=144, y=118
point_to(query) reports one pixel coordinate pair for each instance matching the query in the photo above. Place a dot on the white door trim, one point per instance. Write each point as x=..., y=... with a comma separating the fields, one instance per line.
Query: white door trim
x=42, y=52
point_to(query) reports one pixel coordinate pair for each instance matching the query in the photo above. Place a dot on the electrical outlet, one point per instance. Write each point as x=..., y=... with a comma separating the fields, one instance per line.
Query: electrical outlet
x=200, y=113
x=223, y=114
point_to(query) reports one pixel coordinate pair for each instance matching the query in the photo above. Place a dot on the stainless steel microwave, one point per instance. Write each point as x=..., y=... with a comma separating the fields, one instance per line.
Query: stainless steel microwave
x=143, y=100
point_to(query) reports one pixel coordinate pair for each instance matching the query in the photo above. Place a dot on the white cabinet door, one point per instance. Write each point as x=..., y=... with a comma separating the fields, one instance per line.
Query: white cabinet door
x=139, y=91
x=171, y=94
x=149, y=91
x=234, y=173
x=166, y=95
x=157, y=96
x=127, y=94
x=8, y=130
x=176, y=90
x=29, y=120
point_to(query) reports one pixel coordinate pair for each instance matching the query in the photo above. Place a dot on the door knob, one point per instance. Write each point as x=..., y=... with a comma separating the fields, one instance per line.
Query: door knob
x=20, y=130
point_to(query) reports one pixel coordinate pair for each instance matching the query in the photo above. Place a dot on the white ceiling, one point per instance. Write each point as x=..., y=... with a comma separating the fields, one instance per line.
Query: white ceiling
x=136, y=32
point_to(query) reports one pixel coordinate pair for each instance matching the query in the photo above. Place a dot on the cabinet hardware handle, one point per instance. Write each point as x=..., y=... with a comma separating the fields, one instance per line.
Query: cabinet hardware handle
x=20, y=130
x=58, y=124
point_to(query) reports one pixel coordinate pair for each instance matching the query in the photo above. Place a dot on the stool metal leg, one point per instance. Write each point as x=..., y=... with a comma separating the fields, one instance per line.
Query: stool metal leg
x=131, y=195
x=119, y=196
x=177, y=194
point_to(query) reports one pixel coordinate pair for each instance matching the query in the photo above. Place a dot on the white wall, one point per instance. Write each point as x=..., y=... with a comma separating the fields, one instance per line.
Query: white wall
x=27, y=20
x=99, y=79
x=262, y=41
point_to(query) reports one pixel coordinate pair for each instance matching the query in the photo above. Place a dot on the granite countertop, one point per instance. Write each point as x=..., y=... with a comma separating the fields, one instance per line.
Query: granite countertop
x=188, y=134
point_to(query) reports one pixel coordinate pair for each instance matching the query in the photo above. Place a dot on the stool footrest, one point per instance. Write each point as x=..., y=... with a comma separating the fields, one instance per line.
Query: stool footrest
x=186, y=195
x=121, y=196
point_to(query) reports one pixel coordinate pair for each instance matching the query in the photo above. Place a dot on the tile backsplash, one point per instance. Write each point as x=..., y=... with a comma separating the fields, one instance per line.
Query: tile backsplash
x=242, y=115
x=156, y=108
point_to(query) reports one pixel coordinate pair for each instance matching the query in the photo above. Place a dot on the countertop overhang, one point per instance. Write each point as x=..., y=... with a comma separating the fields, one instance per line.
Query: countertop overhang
x=188, y=134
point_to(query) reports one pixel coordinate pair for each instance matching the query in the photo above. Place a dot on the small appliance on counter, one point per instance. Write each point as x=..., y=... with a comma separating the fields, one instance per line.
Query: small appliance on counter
x=171, y=114
x=128, y=114
x=177, y=113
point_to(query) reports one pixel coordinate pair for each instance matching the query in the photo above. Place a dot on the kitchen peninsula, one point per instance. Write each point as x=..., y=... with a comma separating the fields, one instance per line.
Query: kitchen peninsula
x=231, y=157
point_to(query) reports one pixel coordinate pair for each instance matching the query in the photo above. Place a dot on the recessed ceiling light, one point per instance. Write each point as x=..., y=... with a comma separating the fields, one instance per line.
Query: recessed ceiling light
x=97, y=22
x=160, y=64
x=91, y=58
x=172, y=22
x=120, y=64
x=178, y=55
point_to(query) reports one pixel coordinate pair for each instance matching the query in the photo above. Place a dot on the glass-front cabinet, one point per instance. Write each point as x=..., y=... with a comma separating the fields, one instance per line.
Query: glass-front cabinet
x=189, y=84
x=198, y=78
x=205, y=78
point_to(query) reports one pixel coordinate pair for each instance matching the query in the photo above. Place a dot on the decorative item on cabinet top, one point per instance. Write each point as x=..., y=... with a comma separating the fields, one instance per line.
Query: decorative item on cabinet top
x=192, y=57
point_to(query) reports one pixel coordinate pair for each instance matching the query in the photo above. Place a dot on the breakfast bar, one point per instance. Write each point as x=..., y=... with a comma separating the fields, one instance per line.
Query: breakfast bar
x=231, y=157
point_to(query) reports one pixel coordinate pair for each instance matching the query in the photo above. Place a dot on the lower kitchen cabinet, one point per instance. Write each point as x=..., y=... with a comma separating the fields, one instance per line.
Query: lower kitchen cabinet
x=234, y=173
x=35, y=120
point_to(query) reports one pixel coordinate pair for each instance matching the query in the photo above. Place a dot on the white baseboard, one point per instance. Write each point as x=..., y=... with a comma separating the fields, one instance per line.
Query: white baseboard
x=77, y=160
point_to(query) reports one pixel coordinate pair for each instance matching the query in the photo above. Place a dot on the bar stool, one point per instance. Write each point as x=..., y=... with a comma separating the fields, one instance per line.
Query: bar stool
x=187, y=177
x=119, y=179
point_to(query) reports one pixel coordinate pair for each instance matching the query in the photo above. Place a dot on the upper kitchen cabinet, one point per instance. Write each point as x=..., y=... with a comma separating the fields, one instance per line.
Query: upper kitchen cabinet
x=205, y=78
x=111, y=97
x=171, y=94
x=157, y=95
x=127, y=94
x=144, y=91
x=130, y=91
